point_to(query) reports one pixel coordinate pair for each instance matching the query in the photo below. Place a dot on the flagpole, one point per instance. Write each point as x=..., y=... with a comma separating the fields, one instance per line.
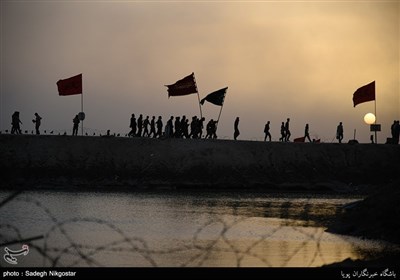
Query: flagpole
x=220, y=111
x=198, y=96
x=376, y=134
x=82, y=110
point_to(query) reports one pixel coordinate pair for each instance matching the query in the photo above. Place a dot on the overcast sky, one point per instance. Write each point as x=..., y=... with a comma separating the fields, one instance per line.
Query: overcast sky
x=285, y=59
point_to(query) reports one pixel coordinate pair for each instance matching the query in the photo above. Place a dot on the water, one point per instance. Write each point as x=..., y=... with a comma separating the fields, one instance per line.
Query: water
x=170, y=228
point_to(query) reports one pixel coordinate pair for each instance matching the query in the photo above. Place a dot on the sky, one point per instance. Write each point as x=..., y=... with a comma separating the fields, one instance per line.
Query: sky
x=301, y=60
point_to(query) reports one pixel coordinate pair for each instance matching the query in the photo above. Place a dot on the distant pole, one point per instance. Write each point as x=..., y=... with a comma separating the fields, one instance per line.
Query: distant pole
x=220, y=111
x=82, y=110
x=376, y=134
x=201, y=113
x=198, y=96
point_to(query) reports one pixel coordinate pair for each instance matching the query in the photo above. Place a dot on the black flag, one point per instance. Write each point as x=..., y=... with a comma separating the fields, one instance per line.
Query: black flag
x=216, y=97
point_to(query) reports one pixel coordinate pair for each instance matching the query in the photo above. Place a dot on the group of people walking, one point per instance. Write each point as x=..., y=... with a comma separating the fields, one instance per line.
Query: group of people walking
x=285, y=132
x=178, y=127
x=15, y=123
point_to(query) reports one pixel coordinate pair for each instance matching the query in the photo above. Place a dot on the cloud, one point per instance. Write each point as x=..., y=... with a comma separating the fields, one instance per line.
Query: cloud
x=302, y=60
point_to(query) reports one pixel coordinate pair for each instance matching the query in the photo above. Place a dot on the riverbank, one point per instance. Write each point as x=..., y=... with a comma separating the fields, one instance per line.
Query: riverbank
x=382, y=210
x=137, y=164
x=375, y=217
x=28, y=160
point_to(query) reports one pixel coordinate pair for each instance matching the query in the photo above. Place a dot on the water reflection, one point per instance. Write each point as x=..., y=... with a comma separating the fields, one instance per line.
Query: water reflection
x=177, y=229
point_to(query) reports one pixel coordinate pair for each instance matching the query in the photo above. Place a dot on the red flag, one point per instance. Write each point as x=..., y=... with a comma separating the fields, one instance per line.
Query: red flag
x=184, y=86
x=364, y=94
x=70, y=86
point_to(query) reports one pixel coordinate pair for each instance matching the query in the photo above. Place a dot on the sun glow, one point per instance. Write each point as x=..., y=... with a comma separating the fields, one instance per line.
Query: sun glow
x=369, y=118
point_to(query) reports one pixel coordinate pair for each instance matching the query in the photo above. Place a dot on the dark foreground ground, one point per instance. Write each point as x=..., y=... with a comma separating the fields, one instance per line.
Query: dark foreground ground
x=375, y=217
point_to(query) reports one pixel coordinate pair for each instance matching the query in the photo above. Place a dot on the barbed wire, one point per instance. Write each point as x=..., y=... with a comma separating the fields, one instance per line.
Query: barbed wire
x=74, y=253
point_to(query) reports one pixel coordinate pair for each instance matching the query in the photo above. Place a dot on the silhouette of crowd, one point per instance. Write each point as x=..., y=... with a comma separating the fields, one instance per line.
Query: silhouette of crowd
x=182, y=127
x=285, y=131
x=175, y=127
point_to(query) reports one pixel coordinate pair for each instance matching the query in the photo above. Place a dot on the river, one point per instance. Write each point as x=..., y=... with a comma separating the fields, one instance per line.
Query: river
x=172, y=228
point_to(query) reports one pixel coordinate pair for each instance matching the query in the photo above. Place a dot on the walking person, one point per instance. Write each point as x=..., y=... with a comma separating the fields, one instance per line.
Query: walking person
x=393, y=129
x=307, y=133
x=339, y=132
x=287, y=131
x=153, y=127
x=184, y=127
x=178, y=130
x=146, y=124
x=76, y=125
x=236, y=128
x=37, y=122
x=132, y=125
x=139, y=125
x=169, y=127
x=15, y=121
x=211, y=129
x=396, y=132
x=159, y=124
x=283, y=135
x=194, y=127
x=200, y=126
x=267, y=133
